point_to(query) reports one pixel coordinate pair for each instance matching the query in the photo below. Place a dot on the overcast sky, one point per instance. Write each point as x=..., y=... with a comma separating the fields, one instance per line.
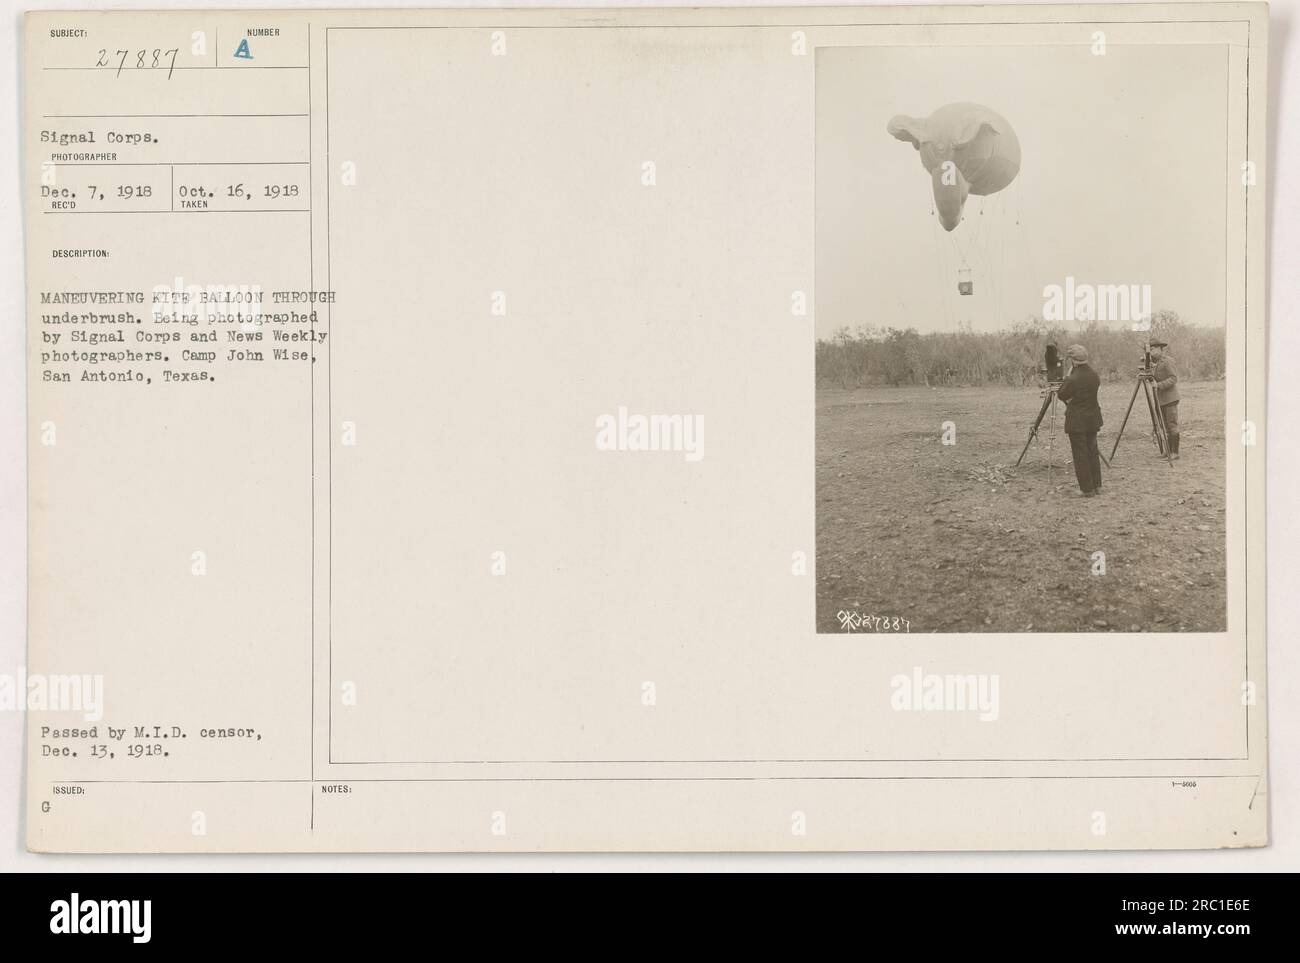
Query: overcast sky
x=1124, y=179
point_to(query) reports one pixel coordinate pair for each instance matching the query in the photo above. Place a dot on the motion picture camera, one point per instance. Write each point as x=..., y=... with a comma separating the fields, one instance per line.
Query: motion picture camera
x=1053, y=364
x=1146, y=364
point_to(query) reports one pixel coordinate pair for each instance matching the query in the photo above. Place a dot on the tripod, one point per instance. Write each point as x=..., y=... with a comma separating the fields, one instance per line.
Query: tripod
x=1049, y=402
x=1146, y=384
x=1049, y=399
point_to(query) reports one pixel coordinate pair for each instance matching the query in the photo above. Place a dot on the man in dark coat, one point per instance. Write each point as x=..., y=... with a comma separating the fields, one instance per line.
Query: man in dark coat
x=1166, y=392
x=1082, y=419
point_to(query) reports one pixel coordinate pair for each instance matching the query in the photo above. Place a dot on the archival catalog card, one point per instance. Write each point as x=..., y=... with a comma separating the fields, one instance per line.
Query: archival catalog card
x=662, y=429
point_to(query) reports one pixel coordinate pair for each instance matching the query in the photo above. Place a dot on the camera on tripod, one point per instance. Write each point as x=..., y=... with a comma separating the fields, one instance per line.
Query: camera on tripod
x=1053, y=370
x=1146, y=365
x=1051, y=374
x=1146, y=384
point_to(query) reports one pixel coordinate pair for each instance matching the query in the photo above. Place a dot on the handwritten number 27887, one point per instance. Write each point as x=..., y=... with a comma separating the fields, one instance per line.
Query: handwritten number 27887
x=144, y=59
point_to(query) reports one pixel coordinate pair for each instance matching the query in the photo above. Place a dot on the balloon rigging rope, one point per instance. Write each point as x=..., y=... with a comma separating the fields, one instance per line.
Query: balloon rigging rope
x=941, y=266
x=1027, y=241
x=1002, y=255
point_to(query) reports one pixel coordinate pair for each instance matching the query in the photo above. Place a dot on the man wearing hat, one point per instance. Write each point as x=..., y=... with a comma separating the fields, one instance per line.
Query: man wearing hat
x=1082, y=419
x=1166, y=391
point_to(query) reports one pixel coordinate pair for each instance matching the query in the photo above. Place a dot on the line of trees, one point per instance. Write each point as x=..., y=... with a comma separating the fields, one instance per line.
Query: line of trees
x=902, y=356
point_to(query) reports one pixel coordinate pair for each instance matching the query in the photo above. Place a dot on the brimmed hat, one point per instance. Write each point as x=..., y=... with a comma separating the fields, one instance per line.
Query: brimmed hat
x=1077, y=353
x=1159, y=344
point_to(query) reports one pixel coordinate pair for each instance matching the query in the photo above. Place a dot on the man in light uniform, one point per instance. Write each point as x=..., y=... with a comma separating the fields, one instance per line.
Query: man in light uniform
x=1166, y=391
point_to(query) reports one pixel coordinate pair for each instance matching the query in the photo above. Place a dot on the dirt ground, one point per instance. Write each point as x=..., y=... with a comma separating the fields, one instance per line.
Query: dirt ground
x=953, y=538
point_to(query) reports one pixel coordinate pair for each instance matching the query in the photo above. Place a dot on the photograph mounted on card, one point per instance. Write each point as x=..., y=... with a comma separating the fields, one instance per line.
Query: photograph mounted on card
x=810, y=428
